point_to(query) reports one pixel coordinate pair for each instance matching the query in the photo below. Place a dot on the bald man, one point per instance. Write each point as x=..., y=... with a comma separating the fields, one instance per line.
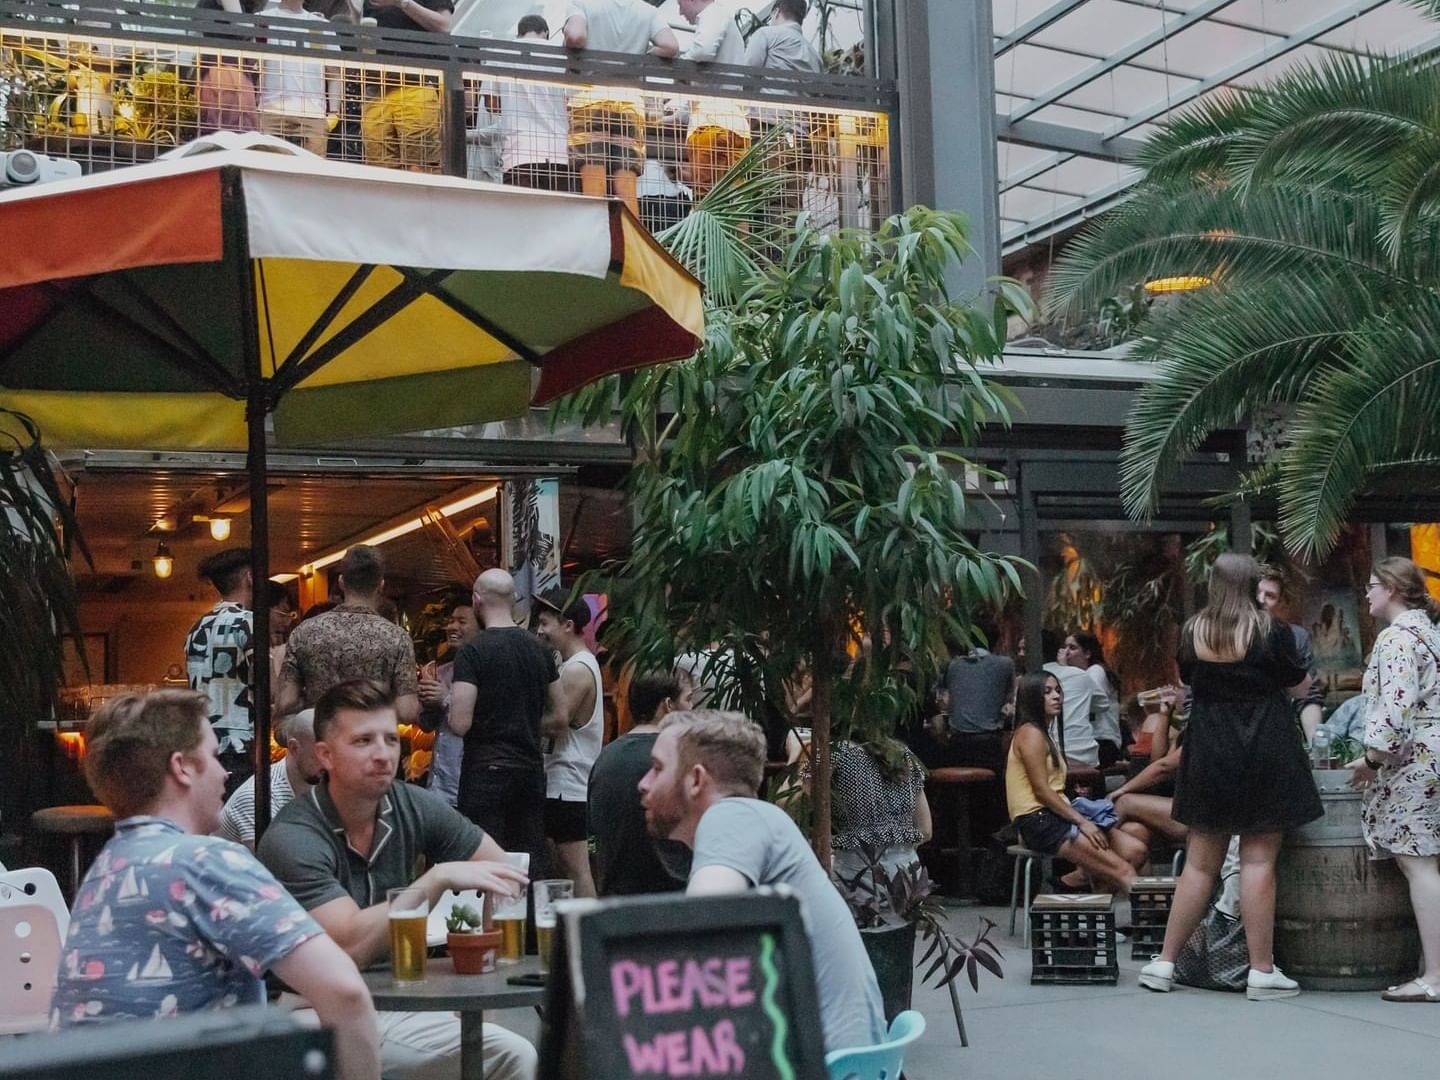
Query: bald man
x=504, y=678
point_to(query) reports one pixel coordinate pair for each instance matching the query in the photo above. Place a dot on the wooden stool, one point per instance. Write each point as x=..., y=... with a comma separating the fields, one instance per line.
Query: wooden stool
x=952, y=783
x=1072, y=939
x=1150, y=900
x=76, y=822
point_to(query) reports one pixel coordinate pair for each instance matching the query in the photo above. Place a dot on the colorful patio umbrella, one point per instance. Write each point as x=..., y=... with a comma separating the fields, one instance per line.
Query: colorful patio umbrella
x=183, y=303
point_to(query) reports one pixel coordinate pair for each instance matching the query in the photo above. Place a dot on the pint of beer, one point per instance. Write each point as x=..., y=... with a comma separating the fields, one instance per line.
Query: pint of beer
x=546, y=894
x=509, y=915
x=409, y=911
x=512, y=939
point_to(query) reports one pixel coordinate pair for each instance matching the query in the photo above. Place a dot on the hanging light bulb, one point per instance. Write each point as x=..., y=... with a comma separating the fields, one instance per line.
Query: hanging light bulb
x=219, y=528
x=163, y=561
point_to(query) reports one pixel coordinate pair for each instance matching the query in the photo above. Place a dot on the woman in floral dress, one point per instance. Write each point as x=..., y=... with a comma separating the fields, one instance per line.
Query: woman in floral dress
x=1401, y=765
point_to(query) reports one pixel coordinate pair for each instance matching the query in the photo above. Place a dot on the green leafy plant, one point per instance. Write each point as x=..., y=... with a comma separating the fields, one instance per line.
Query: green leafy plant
x=464, y=919
x=794, y=492
x=1313, y=207
x=1344, y=749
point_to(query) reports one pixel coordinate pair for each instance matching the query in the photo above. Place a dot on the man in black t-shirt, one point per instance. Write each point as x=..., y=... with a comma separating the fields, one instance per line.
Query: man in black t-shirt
x=502, y=684
x=628, y=861
x=401, y=127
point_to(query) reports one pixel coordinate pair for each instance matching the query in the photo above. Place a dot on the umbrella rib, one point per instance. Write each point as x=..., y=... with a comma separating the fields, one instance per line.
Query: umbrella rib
x=401, y=296
x=349, y=289
x=218, y=381
x=499, y=333
x=198, y=352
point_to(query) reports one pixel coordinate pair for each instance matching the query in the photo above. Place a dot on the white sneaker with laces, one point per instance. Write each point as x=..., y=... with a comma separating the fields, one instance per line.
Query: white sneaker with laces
x=1270, y=985
x=1157, y=975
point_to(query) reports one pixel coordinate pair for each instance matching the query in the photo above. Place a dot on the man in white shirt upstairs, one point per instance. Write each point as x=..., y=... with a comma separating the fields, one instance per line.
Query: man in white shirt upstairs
x=296, y=95
x=535, y=124
x=780, y=44
x=572, y=730
x=627, y=26
x=717, y=37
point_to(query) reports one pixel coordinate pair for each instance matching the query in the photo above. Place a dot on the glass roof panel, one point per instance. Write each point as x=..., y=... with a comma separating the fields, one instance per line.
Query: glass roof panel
x=1109, y=71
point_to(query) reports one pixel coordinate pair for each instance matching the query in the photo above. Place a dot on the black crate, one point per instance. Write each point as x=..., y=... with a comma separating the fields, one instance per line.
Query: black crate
x=1150, y=900
x=1072, y=940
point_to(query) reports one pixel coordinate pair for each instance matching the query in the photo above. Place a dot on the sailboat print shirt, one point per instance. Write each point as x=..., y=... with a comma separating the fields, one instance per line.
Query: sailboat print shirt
x=167, y=922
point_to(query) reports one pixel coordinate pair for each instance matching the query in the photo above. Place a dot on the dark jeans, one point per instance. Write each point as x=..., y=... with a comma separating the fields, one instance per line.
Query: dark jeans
x=509, y=804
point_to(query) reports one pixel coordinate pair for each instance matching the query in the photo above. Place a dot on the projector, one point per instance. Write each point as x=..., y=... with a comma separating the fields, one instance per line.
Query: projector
x=21, y=168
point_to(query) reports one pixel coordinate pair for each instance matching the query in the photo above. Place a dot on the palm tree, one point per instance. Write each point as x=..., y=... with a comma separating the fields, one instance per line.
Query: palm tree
x=1312, y=208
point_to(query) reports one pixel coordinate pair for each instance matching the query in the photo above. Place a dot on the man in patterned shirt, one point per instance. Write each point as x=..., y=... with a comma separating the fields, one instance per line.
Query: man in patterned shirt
x=169, y=920
x=219, y=652
x=350, y=642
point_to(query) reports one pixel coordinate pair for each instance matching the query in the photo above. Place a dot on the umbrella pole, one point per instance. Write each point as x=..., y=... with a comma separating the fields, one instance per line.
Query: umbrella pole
x=260, y=574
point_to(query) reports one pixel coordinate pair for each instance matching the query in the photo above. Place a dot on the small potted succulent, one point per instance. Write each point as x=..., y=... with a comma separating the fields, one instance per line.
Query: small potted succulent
x=471, y=949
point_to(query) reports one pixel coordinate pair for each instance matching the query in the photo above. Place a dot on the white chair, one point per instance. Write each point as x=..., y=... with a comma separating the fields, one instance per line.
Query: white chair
x=33, y=923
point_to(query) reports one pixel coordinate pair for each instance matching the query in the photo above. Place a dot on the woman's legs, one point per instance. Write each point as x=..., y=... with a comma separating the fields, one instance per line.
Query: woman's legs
x=1203, y=859
x=1108, y=865
x=1423, y=874
x=1152, y=811
x=1257, y=895
x=1132, y=843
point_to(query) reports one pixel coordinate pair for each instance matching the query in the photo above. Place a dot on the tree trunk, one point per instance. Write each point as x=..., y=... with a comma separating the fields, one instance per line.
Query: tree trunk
x=822, y=668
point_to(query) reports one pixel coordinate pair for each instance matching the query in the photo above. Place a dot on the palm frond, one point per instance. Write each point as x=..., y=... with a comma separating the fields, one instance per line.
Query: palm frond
x=1226, y=352
x=731, y=233
x=1380, y=407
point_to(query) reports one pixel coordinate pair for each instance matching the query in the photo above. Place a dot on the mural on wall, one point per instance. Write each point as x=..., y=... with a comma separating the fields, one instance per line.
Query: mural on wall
x=532, y=537
x=1331, y=615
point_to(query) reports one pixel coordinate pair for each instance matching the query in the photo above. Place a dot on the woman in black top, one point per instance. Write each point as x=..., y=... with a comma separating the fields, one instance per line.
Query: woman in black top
x=1244, y=769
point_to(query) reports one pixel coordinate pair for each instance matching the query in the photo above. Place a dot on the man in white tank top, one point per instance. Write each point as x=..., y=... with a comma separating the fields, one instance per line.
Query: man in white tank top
x=572, y=731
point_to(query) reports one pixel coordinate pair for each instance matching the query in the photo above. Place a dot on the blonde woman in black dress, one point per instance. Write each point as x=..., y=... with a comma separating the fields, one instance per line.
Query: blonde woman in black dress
x=1244, y=769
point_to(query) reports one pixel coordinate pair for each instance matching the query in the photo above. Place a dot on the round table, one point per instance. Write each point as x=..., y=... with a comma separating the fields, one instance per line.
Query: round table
x=469, y=995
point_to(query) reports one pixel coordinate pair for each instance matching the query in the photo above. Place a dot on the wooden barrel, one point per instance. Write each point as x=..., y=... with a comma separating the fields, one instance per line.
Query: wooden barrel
x=1342, y=921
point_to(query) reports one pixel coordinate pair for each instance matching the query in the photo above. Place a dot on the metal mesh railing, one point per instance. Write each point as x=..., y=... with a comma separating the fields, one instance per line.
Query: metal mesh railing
x=111, y=92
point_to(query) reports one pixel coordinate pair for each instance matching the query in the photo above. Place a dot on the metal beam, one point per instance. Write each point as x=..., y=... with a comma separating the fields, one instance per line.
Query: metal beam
x=1053, y=14
x=1044, y=165
x=1071, y=140
x=1066, y=217
x=1304, y=36
x=1119, y=57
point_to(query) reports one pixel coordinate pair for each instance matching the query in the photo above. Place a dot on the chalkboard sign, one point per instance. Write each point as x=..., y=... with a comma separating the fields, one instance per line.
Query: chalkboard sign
x=683, y=987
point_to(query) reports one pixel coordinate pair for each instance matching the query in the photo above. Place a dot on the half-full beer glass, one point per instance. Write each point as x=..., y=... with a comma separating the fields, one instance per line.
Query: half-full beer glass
x=409, y=911
x=509, y=915
x=546, y=893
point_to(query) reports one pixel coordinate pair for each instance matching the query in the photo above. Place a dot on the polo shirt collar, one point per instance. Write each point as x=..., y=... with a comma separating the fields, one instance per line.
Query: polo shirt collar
x=384, y=826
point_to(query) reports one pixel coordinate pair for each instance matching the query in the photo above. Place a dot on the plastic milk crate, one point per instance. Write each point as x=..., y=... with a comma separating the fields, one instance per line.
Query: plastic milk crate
x=1150, y=901
x=1072, y=939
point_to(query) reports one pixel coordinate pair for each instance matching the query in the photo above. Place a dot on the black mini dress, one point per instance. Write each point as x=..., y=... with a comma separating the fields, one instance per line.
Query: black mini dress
x=1245, y=767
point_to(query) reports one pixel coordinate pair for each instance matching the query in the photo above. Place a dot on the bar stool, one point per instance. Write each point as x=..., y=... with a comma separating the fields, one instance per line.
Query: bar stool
x=1025, y=859
x=954, y=782
x=76, y=823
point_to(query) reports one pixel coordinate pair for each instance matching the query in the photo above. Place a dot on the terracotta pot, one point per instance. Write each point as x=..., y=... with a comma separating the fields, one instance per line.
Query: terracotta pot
x=473, y=954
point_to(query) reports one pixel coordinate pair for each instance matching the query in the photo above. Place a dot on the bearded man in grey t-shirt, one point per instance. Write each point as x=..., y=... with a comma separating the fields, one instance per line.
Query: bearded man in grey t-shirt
x=705, y=769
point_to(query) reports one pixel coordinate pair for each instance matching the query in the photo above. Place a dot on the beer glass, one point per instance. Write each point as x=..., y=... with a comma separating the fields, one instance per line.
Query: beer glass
x=409, y=911
x=546, y=893
x=509, y=915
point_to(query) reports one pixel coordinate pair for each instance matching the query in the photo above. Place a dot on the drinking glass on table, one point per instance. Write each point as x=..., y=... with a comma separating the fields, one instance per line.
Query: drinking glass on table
x=509, y=914
x=409, y=911
x=546, y=893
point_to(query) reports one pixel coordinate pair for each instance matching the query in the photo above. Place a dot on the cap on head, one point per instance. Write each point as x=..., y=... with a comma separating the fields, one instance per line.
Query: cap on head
x=577, y=610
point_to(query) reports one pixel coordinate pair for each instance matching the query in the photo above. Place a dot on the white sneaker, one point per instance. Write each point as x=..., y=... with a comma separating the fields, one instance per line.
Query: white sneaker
x=1157, y=975
x=1269, y=985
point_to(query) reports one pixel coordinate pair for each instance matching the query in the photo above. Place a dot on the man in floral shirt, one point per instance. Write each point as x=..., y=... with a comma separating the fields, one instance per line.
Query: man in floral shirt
x=170, y=920
x=219, y=653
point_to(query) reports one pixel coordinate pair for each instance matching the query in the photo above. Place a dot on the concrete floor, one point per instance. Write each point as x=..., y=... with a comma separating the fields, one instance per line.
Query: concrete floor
x=1125, y=1033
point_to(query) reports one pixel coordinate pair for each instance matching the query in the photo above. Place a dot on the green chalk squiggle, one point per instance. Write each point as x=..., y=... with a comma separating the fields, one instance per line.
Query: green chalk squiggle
x=772, y=1008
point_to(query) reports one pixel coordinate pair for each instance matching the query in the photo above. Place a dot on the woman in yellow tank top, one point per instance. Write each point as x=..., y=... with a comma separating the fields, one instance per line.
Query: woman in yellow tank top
x=1035, y=792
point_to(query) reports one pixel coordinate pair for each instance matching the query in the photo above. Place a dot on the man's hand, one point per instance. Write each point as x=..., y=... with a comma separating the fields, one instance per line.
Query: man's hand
x=430, y=691
x=491, y=877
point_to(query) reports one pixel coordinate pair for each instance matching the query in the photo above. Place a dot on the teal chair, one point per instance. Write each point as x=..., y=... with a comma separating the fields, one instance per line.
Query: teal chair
x=880, y=1062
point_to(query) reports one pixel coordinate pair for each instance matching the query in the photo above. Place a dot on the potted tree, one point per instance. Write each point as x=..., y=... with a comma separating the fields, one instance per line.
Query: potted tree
x=890, y=908
x=472, y=949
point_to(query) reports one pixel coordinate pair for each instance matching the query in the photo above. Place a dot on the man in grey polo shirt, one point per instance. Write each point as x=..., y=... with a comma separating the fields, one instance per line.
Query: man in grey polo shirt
x=357, y=834
x=705, y=768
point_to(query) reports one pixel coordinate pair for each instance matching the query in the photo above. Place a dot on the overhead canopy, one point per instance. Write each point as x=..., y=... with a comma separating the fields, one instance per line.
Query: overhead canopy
x=125, y=319
x=1079, y=83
